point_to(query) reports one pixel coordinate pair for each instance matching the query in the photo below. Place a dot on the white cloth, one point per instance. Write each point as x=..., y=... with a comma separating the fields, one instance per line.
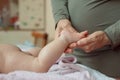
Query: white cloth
x=64, y=70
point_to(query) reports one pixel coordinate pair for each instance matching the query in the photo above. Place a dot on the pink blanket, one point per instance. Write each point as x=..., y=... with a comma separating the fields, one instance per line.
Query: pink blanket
x=64, y=70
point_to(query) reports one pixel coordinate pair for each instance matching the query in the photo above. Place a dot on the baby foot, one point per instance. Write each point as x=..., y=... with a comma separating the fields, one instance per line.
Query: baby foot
x=72, y=36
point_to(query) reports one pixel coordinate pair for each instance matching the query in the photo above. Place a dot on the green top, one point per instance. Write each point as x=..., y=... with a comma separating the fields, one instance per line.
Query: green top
x=93, y=15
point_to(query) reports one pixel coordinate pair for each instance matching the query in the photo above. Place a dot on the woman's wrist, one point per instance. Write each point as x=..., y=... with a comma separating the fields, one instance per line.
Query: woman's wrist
x=107, y=40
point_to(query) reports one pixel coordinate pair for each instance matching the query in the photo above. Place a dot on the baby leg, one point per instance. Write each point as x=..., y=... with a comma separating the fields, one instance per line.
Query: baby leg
x=34, y=51
x=13, y=58
x=52, y=51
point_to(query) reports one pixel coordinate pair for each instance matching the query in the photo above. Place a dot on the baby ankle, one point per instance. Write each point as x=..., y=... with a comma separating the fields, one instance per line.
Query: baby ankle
x=64, y=39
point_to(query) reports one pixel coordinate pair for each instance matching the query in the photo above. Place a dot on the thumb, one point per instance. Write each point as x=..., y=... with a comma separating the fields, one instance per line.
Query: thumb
x=83, y=34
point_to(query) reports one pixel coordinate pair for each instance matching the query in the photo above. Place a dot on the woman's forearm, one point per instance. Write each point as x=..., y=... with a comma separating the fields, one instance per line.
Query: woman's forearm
x=60, y=9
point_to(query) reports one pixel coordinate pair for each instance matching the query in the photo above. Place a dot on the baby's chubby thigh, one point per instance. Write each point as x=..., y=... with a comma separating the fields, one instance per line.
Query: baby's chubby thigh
x=5, y=51
x=17, y=60
x=7, y=47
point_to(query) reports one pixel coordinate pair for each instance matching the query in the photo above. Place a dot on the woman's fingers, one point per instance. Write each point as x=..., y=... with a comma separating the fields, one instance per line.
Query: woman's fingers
x=68, y=50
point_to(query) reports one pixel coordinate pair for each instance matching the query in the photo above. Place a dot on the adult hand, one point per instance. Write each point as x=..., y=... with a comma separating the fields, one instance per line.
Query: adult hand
x=62, y=24
x=66, y=24
x=93, y=41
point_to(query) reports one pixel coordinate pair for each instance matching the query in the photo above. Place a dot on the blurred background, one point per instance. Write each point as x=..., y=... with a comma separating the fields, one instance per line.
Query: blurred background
x=19, y=19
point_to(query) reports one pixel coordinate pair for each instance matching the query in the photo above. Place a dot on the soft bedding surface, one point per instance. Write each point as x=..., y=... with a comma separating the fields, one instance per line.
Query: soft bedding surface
x=66, y=69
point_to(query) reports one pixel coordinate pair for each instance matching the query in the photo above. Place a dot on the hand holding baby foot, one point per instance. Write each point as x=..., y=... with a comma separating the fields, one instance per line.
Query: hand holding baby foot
x=72, y=38
x=94, y=41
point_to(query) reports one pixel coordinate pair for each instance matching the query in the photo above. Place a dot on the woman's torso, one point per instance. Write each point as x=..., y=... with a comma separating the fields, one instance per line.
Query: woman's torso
x=93, y=15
